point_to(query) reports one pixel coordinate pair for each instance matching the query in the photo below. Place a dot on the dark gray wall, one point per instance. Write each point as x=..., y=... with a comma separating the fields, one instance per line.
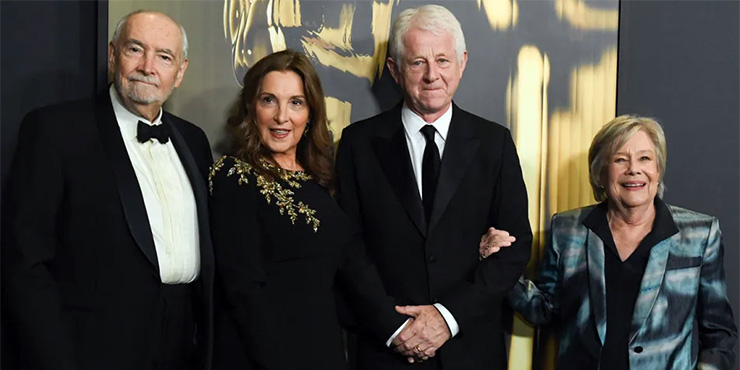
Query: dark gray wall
x=678, y=62
x=50, y=51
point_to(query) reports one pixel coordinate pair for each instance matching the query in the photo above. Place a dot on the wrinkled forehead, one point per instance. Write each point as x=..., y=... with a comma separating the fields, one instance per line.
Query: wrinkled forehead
x=154, y=29
x=421, y=38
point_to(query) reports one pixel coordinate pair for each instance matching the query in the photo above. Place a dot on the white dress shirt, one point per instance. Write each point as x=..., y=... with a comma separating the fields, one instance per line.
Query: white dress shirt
x=168, y=198
x=412, y=125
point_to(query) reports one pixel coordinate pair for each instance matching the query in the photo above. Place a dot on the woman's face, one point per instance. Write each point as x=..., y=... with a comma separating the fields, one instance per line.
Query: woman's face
x=281, y=111
x=632, y=173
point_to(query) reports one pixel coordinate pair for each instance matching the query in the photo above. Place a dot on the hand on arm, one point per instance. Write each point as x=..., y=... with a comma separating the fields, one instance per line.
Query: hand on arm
x=492, y=241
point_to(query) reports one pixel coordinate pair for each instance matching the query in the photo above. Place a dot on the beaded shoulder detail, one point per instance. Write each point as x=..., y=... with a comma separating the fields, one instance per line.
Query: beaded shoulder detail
x=271, y=189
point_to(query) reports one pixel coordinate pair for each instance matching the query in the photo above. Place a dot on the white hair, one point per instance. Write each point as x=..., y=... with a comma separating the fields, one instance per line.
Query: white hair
x=119, y=26
x=434, y=18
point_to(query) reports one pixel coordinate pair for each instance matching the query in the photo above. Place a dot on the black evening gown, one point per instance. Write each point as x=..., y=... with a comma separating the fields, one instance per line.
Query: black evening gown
x=278, y=245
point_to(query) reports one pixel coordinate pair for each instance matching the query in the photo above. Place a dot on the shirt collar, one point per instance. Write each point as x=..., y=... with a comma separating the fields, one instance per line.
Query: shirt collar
x=128, y=121
x=412, y=123
x=663, y=226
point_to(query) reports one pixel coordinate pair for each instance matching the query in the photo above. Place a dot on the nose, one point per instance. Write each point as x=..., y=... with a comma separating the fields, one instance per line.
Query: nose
x=432, y=72
x=146, y=64
x=281, y=115
x=634, y=167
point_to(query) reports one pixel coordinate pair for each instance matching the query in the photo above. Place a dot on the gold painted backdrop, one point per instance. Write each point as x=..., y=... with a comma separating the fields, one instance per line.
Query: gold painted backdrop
x=546, y=69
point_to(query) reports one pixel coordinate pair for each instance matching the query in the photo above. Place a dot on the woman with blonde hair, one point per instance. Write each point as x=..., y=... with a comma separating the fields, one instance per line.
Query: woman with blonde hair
x=631, y=277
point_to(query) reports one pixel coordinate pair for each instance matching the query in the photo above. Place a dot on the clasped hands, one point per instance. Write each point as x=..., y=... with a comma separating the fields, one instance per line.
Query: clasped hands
x=427, y=330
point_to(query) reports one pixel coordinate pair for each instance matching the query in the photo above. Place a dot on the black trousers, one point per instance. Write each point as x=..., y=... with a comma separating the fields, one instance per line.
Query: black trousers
x=173, y=342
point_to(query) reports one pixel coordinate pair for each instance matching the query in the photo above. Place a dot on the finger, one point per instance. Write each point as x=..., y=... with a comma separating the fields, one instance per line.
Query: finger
x=409, y=310
x=410, y=360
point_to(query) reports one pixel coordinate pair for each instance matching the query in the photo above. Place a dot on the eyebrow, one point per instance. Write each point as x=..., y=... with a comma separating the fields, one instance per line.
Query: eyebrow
x=162, y=50
x=273, y=95
x=639, y=151
x=166, y=51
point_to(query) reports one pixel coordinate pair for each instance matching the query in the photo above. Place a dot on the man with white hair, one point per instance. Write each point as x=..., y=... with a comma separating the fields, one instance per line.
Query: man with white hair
x=108, y=261
x=424, y=181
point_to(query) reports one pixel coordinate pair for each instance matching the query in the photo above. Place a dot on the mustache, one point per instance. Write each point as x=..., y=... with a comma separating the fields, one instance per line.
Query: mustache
x=143, y=78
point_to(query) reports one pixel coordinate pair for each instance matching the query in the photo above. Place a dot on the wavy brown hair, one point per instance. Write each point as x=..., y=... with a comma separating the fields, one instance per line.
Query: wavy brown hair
x=314, y=149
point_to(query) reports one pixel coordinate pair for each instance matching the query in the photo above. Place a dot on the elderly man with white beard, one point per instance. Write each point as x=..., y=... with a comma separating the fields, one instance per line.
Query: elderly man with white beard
x=107, y=254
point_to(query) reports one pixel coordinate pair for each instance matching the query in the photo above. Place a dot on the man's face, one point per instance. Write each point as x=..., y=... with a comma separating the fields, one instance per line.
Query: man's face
x=429, y=71
x=147, y=60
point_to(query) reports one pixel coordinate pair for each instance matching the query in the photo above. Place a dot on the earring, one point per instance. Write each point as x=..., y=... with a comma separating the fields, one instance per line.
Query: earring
x=308, y=127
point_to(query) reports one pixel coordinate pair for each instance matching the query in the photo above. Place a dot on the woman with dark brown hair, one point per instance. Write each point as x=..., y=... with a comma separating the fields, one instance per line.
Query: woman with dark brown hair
x=279, y=237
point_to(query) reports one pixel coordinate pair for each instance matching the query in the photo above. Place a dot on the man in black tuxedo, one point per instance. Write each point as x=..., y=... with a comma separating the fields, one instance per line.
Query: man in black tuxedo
x=424, y=181
x=108, y=261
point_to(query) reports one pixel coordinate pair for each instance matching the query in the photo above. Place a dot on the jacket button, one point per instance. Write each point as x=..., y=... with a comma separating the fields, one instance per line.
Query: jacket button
x=432, y=259
x=638, y=349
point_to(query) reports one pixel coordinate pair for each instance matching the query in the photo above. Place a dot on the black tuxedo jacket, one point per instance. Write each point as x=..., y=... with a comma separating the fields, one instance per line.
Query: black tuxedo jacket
x=423, y=262
x=81, y=280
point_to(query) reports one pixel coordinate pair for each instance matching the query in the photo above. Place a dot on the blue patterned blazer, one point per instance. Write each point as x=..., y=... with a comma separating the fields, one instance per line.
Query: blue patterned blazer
x=683, y=283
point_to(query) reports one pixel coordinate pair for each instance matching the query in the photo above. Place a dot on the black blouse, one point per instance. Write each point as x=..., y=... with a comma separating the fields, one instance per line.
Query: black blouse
x=623, y=280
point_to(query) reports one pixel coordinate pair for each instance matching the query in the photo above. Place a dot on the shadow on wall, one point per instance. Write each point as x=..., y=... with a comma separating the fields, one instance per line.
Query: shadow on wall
x=200, y=109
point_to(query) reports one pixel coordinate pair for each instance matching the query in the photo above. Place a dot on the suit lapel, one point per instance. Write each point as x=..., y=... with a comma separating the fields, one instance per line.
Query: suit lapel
x=128, y=186
x=597, y=282
x=652, y=280
x=393, y=155
x=459, y=152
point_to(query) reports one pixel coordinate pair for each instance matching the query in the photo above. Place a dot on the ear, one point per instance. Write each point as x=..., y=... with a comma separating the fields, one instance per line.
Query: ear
x=111, y=57
x=181, y=72
x=464, y=62
x=394, y=68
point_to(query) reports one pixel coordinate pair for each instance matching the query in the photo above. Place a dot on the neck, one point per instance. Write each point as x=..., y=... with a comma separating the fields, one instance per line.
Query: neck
x=618, y=215
x=287, y=161
x=430, y=117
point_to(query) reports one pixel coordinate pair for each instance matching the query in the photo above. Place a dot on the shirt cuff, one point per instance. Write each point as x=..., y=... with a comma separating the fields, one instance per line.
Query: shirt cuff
x=395, y=334
x=449, y=319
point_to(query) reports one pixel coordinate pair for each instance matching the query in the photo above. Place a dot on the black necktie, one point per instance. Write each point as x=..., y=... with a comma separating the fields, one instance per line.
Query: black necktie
x=146, y=132
x=429, y=169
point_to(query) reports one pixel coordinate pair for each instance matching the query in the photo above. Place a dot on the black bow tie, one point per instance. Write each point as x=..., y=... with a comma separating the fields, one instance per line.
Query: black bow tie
x=146, y=132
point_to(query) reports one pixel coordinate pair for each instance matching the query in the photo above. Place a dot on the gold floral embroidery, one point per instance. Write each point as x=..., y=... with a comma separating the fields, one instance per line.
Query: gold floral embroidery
x=272, y=189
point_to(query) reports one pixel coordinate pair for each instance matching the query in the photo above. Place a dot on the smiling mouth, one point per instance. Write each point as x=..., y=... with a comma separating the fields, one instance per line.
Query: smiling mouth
x=279, y=133
x=633, y=185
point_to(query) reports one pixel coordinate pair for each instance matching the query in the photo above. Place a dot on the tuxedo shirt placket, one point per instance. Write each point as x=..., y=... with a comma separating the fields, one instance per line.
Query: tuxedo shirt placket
x=168, y=199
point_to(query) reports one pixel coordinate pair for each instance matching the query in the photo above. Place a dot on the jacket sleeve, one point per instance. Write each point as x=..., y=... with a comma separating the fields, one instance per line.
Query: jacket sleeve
x=717, y=330
x=237, y=247
x=31, y=295
x=362, y=286
x=537, y=300
x=495, y=275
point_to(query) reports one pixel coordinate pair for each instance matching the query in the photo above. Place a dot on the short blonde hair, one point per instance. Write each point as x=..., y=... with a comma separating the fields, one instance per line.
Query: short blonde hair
x=613, y=136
